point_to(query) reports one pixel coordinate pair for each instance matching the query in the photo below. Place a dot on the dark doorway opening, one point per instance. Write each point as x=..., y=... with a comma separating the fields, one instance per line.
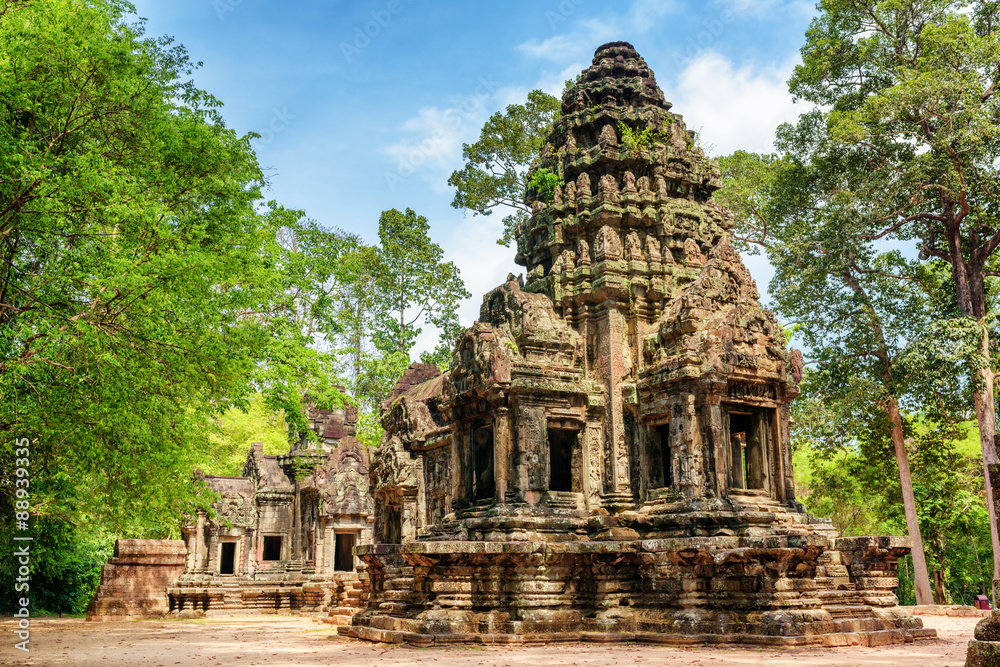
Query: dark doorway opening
x=272, y=547
x=663, y=443
x=747, y=438
x=562, y=442
x=343, y=555
x=483, y=482
x=227, y=562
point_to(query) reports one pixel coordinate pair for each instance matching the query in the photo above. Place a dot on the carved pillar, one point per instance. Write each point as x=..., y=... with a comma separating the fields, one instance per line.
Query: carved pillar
x=717, y=443
x=295, y=552
x=615, y=362
x=200, y=551
x=501, y=450
x=192, y=550
x=785, y=444
x=458, y=496
x=685, y=436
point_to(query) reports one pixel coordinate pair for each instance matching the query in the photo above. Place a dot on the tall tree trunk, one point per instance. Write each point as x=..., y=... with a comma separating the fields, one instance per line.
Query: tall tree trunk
x=940, y=597
x=921, y=581
x=968, y=276
x=986, y=418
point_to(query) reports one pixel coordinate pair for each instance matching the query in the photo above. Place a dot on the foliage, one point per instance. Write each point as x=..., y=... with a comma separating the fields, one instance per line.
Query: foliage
x=543, y=182
x=145, y=287
x=237, y=429
x=65, y=567
x=637, y=140
x=496, y=166
x=412, y=283
x=902, y=148
x=844, y=468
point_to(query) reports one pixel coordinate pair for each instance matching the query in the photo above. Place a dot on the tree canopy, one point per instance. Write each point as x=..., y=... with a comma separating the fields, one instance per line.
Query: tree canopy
x=496, y=166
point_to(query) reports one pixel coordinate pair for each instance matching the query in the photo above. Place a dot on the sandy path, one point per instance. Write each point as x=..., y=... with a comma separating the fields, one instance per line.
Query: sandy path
x=285, y=640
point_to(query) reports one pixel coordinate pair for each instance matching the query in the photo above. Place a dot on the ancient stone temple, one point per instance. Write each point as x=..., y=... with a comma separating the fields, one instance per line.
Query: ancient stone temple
x=284, y=532
x=609, y=457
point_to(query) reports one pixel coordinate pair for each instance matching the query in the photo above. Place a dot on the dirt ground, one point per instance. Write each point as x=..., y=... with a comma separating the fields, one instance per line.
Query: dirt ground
x=286, y=640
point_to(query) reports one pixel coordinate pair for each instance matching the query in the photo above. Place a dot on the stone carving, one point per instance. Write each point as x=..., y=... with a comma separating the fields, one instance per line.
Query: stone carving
x=237, y=511
x=608, y=136
x=653, y=249
x=629, y=422
x=628, y=185
x=607, y=188
x=571, y=192
x=607, y=245
x=633, y=247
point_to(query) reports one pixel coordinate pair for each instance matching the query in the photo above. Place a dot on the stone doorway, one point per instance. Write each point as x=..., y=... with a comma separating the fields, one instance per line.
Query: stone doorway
x=562, y=443
x=748, y=448
x=664, y=476
x=227, y=558
x=343, y=555
x=483, y=481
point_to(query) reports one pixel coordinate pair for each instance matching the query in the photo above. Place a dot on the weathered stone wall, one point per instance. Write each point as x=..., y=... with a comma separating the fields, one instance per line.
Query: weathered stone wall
x=134, y=581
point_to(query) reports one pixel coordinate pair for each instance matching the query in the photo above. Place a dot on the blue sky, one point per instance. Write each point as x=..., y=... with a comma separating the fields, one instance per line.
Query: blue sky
x=363, y=106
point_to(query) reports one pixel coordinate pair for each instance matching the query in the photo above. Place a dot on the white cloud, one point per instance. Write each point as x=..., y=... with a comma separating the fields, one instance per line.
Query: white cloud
x=581, y=37
x=432, y=145
x=760, y=8
x=735, y=108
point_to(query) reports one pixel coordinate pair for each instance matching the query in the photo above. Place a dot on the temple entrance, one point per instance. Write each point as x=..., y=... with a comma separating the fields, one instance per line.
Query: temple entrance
x=483, y=482
x=561, y=445
x=748, y=441
x=227, y=559
x=662, y=447
x=343, y=554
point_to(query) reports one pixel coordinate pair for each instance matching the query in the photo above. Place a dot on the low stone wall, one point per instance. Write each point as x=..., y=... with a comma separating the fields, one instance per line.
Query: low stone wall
x=954, y=610
x=135, y=579
x=338, y=594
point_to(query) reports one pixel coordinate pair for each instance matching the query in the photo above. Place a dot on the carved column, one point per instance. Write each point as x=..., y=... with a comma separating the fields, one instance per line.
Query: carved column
x=458, y=465
x=717, y=442
x=200, y=551
x=615, y=363
x=501, y=451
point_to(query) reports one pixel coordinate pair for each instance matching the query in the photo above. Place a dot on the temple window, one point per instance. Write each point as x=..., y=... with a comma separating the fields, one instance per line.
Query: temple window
x=272, y=548
x=747, y=439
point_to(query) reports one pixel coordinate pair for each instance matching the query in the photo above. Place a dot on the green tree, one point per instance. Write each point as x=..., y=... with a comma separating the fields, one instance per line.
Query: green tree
x=496, y=166
x=413, y=284
x=842, y=291
x=143, y=290
x=909, y=89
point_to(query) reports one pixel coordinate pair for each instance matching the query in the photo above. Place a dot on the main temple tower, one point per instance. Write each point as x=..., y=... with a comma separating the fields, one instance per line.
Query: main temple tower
x=609, y=454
